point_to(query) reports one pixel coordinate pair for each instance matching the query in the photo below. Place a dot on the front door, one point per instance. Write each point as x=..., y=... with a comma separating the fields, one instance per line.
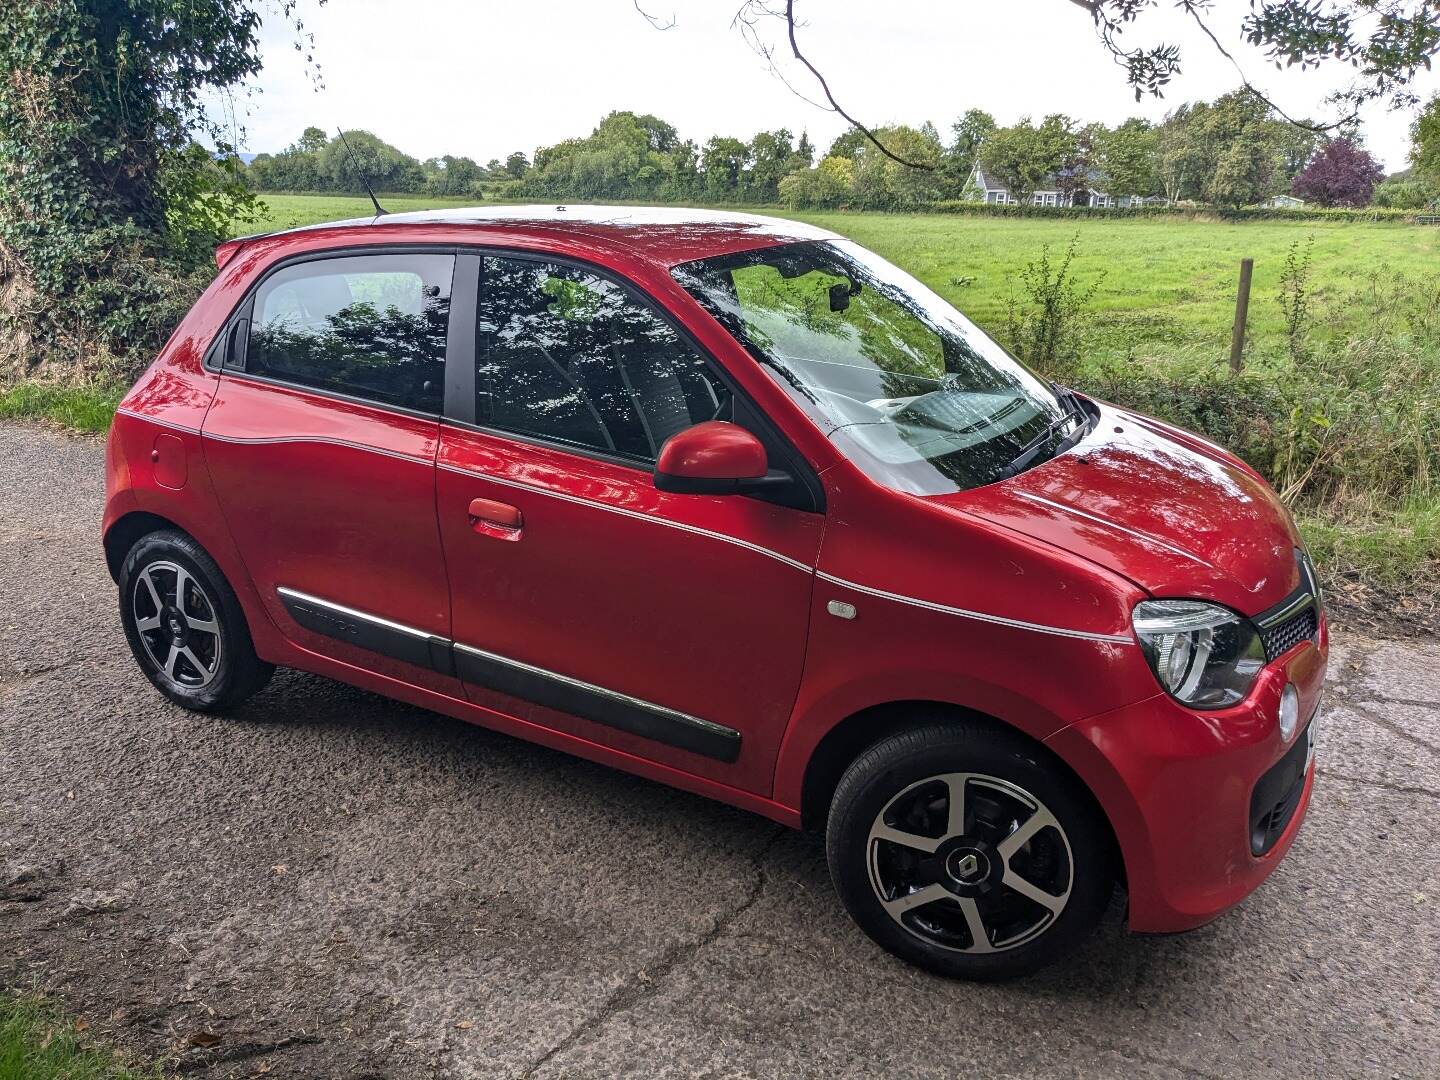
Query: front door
x=321, y=442
x=669, y=627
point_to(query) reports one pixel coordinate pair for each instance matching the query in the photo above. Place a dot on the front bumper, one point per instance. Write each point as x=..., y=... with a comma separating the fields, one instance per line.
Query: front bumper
x=1179, y=788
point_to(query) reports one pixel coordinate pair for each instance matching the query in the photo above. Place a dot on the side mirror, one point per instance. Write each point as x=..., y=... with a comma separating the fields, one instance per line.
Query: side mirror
x=714, y=458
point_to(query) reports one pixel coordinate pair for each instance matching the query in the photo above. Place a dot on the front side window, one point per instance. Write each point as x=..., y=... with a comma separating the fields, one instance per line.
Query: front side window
x=372, y=326
x=904, y=385
x=570, y=356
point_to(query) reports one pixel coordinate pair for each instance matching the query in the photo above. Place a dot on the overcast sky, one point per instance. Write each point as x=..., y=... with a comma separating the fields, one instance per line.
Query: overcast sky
x=483, y=78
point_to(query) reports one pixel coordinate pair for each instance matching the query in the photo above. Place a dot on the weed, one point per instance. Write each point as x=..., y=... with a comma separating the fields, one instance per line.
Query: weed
x=1296, y=295
x=1045, y=333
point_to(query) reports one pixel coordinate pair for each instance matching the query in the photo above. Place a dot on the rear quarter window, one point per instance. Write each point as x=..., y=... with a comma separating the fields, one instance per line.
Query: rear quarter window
x=370, y=326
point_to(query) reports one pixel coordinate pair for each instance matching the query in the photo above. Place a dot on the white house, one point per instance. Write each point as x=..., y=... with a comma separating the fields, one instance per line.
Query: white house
x=1051, y=195
x=1284, y=202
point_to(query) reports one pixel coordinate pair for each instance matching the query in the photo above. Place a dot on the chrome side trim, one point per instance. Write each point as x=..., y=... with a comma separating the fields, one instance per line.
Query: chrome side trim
x=341, y=609
x=980, y=616
x=1146, y=537
x=273, y=440
x=637, y=515
x=157, y=422
x=709, y=727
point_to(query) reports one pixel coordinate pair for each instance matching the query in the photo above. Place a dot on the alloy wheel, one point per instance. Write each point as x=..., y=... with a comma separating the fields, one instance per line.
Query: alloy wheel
x=970, y=863
x=178, y=624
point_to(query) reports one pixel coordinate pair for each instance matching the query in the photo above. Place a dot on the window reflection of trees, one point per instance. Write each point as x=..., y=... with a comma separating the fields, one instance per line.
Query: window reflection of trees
x=896, y=375
x=376, y=335
x=568, y=355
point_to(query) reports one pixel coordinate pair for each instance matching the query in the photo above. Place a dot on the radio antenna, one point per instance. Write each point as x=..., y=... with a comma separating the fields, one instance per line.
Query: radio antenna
x=380, y=211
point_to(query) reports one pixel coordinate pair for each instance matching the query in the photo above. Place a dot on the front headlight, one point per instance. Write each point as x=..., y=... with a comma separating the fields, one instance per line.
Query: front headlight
x=1205, y=655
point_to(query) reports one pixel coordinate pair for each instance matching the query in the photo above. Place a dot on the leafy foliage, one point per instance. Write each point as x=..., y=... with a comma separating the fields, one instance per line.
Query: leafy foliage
x=1296, y=295
x=1425, y=134
x=106, y=206
x=1022, y=156
x=1340, y=174
x=1044, y=330
x=1386, y=43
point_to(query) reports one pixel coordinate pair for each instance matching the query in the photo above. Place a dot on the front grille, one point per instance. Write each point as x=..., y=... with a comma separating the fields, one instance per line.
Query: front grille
x=1284, y=636
x=1294, y=619
x=1277, y=794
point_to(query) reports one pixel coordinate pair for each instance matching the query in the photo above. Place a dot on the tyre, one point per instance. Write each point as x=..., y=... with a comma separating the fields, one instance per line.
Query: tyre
x=185, y=626
x=968, y=851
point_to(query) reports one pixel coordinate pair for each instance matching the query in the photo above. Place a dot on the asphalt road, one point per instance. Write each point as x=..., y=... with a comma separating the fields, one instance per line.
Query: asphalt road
x=330, y=884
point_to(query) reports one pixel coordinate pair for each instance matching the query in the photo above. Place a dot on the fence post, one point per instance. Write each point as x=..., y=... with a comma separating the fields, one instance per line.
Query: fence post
x=1242, y=311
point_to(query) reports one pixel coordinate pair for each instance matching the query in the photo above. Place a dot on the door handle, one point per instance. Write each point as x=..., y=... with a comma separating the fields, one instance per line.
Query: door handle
x=490, y=517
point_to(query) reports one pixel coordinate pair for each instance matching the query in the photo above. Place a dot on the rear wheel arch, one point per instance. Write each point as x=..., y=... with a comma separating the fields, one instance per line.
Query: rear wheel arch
x=851, y=737
x=128, y=530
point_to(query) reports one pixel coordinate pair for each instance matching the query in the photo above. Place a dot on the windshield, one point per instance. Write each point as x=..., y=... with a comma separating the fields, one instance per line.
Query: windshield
x=907, y=387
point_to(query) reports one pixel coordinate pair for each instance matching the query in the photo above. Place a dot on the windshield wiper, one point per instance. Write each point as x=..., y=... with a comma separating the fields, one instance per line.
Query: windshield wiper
x=1039, y=444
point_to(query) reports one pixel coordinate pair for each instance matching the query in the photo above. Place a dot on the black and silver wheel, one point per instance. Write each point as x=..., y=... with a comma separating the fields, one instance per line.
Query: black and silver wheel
x=964, y=849
x=177, y=623
x=185, y=626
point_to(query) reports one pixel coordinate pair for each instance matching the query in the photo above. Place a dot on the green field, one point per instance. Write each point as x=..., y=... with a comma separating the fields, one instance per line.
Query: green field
x=1167, y=286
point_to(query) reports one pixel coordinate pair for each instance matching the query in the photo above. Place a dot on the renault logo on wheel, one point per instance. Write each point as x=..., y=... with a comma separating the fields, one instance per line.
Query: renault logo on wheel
x=967, y=866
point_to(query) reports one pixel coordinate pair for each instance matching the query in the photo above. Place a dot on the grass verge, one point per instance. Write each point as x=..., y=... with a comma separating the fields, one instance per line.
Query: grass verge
x=80, y=406
x=38, y=1043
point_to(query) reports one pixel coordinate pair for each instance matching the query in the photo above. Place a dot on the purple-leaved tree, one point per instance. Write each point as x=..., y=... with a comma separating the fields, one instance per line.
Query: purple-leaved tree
x=1342, y=173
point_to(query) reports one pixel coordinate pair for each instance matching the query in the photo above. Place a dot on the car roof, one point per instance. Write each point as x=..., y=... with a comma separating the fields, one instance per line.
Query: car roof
x=665, y=235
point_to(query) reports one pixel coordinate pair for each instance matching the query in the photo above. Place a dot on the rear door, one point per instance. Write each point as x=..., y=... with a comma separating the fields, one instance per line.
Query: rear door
x=670, y=627
x=322, y=441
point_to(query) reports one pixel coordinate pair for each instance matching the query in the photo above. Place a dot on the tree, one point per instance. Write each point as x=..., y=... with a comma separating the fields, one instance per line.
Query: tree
x=1340, y=174
x=722, y=162
x=105, y=209
x=830, y=184
x=1244, y=174
x=967, y=135
x=516, y=165
x=882, y=182
x=452, y=175
x=1406, y=192
x=365, y=159
x=804, y=151
x=312, y=140
x=1072, y=179
x=1425, y=136
x=1128, y=156
x=848, y=145
x=1179, y=158
x=770, y=156
x=1022, y=156
x=1231, y=151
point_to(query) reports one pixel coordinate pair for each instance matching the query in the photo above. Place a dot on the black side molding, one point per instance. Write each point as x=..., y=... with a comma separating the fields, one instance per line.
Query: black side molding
x=356, y=628
x=513, y=678
x=619, y=711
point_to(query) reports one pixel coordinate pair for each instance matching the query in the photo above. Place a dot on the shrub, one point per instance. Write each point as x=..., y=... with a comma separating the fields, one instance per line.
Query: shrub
x=1045, y=331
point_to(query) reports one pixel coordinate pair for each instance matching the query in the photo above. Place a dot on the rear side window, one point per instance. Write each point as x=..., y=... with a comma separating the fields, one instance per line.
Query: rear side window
x=372, y=326
x=565, y=354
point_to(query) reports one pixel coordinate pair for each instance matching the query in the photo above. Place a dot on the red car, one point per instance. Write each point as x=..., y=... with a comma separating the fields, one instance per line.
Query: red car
x=736, y=505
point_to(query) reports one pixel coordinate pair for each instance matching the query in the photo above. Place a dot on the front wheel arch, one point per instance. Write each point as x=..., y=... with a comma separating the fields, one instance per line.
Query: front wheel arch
x=851, y=737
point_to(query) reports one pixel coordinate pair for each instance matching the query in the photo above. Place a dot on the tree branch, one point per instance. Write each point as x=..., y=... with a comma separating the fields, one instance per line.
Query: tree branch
x=835, y=105
x=655, y=21
x=1192, y=9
